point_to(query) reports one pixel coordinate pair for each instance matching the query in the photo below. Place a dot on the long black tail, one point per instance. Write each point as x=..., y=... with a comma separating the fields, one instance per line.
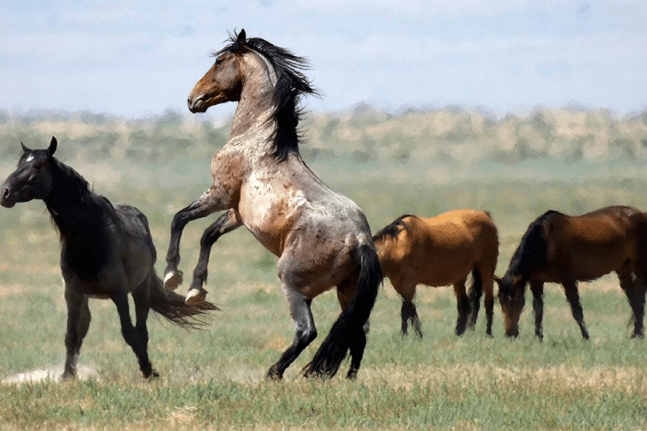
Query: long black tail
x=172, y=306
x=334, y=348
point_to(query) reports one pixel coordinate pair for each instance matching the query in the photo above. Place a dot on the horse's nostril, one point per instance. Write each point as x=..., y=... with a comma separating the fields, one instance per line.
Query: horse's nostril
x=5, y=193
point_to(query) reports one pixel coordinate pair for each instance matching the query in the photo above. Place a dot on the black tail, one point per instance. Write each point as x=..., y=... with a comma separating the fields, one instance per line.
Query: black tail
x=171, y=305
x=475, y=293
x=334, y=348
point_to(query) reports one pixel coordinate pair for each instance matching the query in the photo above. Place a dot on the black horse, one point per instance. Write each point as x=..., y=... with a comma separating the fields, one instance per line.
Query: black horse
x=107, y=252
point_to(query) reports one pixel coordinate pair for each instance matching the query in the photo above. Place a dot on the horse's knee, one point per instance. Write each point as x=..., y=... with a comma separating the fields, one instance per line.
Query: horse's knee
x=305, y=336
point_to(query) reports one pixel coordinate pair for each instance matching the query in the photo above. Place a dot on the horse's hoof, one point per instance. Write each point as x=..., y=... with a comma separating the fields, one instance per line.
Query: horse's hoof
x=352, y=374
x=172, y=280
x=152, y=376
x=274, y=374
x=195, y=296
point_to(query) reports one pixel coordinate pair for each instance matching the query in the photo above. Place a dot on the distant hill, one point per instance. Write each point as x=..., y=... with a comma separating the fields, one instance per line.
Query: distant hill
x=363, y=134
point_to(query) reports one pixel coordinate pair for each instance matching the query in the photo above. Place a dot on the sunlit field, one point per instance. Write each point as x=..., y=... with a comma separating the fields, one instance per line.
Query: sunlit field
x=214, y=378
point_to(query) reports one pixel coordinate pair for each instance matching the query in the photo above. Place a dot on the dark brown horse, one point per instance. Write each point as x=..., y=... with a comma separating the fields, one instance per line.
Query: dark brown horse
x=558, y=248
x=440, y=251
x=106, y=252
x=322, y=238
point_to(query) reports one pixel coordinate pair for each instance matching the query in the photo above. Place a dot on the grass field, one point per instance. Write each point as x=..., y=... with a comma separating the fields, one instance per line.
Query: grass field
x=214, y=379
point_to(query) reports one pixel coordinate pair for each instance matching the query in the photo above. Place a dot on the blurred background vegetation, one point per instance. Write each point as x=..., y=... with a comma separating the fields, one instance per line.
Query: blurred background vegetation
x=362, y=134
x=418, y=161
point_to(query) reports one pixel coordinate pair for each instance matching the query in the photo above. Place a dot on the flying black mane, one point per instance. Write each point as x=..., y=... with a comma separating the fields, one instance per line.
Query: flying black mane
x=291, y=85
x=393, y=229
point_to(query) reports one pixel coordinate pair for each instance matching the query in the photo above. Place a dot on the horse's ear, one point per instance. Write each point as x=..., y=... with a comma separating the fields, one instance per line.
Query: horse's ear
x=497, y=279
x=242, y=37
x=52, y=147
x=24, y=149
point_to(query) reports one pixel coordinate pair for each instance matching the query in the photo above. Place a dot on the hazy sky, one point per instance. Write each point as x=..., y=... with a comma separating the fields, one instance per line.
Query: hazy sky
x=137, y=58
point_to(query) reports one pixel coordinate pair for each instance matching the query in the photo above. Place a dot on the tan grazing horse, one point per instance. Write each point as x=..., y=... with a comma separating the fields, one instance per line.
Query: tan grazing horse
x=440, y=251
x=558, y=248
x=322, y=238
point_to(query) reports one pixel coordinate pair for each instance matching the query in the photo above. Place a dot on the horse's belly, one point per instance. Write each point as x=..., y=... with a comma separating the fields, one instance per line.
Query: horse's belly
x=588, y=267
x=444, y=270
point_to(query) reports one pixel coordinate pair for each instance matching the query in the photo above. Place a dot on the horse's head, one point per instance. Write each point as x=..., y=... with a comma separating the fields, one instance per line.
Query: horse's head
x=32, y=179
x=512, y=300
x=223, y=82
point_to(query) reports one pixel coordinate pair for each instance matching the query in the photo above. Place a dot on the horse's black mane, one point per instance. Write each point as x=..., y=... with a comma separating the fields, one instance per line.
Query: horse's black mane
x=291, y=85
x=531, y=253
x=72, y=188
x=392, y=229
x=75, y=183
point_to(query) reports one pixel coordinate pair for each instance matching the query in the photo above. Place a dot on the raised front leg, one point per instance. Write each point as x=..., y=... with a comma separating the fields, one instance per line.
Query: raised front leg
x=78, y=322
x=305, y=332
x=198, y=209
x=573, y=297
x=224, y=224
x=537, y=288
x=134, y=337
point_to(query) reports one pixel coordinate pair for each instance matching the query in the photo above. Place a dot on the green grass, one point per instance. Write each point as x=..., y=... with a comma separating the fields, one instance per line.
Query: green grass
x=214, y=379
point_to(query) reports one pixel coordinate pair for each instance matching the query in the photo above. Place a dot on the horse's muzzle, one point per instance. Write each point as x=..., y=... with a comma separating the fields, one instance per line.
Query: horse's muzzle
x=196, y=105
x=4, y=199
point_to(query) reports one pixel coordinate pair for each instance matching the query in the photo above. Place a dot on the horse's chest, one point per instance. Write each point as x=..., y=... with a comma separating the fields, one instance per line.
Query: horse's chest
x=84, y=257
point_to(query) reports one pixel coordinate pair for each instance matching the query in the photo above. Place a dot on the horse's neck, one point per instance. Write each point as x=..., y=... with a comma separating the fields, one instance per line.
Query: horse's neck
x=70, y=204
x=255, y=109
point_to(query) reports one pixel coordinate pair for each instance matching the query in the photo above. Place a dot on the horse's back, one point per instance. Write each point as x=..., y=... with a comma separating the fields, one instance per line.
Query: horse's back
x=435, y=251
x=477, y=231
x=588, y=246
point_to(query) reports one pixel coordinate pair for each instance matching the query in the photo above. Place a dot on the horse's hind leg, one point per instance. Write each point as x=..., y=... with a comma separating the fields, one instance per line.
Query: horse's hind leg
x=224, y=224
x=573, y=297
x=136, y=338
x=78, y=322
x=408, y=310
x=345, y=293
x=305, y=332
x=200, y=208
x=488, y=302
x=357, y=352
x=475, y=293
x=635, y=292
x=141, y=298
x=462, y=305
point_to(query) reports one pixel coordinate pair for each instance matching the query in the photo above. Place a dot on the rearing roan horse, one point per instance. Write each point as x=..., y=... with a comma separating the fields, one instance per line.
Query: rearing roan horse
x=558, y=248
x=322, y=239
